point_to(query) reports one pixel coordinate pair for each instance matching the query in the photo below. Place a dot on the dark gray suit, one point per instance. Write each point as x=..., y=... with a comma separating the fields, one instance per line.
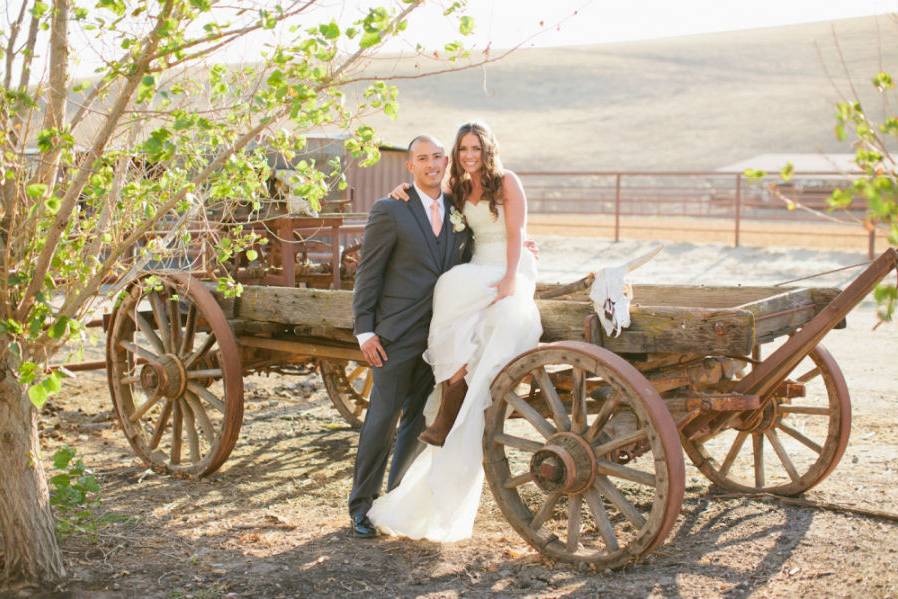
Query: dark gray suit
x=393, y=297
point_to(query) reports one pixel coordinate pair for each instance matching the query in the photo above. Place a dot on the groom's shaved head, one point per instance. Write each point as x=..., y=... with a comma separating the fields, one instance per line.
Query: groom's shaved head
x=427, y=138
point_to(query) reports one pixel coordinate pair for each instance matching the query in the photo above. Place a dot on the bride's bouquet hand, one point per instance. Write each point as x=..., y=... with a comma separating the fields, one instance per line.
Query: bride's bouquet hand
x=401, y=193
x=504, y=288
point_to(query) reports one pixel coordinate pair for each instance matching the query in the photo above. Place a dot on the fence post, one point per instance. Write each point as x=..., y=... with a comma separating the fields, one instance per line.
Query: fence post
x=871, y=245
x=617, y=208
x=738, y=207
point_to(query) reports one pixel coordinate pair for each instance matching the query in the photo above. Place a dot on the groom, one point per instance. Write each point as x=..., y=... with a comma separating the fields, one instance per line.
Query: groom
x=407, y=246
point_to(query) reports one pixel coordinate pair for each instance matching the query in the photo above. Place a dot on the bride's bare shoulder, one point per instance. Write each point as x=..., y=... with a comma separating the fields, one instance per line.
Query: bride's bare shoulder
x=511, y=184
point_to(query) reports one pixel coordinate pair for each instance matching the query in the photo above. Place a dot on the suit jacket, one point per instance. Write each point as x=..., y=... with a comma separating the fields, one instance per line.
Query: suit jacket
x=400, y=264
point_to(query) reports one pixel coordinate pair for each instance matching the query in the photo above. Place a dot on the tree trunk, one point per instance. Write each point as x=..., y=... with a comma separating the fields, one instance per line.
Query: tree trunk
x=30, y=554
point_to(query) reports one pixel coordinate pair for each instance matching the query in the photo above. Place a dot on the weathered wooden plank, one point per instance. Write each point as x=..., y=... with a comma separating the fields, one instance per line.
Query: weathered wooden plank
x=660, y=329
x=296, y=306
x=657, y=329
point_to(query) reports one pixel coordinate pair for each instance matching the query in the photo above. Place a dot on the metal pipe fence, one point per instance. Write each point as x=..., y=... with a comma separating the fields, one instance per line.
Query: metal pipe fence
x=722, y=196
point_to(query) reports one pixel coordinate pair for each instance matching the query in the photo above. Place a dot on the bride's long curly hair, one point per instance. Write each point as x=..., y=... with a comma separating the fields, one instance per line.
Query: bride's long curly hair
x=491, y=172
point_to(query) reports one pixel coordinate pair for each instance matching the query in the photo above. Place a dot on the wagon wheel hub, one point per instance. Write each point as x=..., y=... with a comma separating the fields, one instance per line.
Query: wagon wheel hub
x=566, y=463
x=167, y=377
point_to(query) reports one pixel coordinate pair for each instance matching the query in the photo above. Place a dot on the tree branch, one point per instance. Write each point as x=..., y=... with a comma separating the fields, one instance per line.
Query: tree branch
x=70, y=199
x=13, y=34
x=57, y=92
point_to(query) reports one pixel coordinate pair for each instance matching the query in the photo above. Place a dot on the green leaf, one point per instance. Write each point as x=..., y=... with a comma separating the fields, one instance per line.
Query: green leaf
x=754, y=174
x=53, y=204
x=40, y=9
x=466, y=25
x=251, y=255
x=330, y=30
x=62, y=457
x=787, y=171
x=370, y=38
x=883, y=81
x=202, y=5
x=38, y=395
x=36, y=190
x=840, y=198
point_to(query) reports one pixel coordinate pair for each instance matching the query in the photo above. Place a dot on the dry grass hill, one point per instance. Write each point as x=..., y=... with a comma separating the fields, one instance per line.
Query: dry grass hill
x=696, y=102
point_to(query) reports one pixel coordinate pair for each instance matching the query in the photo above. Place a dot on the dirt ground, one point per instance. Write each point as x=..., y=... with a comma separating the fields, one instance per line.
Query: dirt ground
x=272, y=522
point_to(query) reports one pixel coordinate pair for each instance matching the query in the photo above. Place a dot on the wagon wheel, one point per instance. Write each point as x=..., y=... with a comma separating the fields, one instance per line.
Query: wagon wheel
x=174, y=374
x=795, y=441
x=562, y=484
x=349, y=385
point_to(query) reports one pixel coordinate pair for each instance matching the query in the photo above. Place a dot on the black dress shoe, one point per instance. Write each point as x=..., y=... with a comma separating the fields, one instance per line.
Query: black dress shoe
x=362, y=527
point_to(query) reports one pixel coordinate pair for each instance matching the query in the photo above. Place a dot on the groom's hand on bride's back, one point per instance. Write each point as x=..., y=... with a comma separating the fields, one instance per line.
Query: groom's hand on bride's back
x=374, y=352
x=401, y=192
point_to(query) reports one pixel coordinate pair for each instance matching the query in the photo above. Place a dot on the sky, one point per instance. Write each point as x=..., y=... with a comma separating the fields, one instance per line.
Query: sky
x=539, y=23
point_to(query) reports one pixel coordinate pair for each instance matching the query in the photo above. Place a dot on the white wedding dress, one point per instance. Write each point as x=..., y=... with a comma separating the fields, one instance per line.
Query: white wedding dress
x=440, y=493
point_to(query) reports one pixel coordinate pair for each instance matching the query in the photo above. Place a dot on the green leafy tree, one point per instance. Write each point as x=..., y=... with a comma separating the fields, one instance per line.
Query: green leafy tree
x=165, y=141
x=877, y=187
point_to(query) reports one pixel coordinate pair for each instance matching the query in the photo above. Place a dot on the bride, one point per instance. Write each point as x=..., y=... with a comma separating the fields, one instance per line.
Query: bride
x=483, y=316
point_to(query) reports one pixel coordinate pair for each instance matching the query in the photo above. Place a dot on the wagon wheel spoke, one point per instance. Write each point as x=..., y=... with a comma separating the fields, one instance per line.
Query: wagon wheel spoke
x=575, y=502
x=550, y=394
x=205, y=373
x=630, y=474
x=138, y=350
x=733, y=453
x=201, y=351
x=356, y=373
x=201, y=416
x=129, y=380
x=160, y=313
x=176, y=429
x=602, y=418
x=520, y=479
x=143, y=409
x=193, y=440
x=816, y=448
x=206, y=395
x=369, y=382
x=531, y=415
x=545, y=511
x=600, y=515
x=147, y=329
x=578, y=400
x=517, y=442
x=757, y=442
x=609, y=490
x=189, y=332
x=782, y=455
x=809, y=410
x=608, y=447
x=160, y=424
x=173, y=311
x=810, y=374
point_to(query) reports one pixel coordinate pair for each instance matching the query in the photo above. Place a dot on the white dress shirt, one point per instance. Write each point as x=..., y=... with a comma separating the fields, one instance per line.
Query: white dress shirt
x=427, y=201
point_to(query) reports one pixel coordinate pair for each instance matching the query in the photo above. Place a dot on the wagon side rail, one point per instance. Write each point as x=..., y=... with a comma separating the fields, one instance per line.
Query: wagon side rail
x=766, y=376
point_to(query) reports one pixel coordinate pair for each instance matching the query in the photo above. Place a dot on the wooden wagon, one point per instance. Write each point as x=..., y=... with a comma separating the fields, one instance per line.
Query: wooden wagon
x=582, y=446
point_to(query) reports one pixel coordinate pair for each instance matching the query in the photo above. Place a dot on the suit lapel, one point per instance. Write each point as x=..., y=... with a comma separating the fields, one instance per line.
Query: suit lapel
x=449, y=249
x=417, y=208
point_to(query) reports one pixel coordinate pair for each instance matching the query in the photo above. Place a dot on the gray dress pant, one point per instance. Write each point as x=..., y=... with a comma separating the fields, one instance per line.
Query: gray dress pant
x=401, y=388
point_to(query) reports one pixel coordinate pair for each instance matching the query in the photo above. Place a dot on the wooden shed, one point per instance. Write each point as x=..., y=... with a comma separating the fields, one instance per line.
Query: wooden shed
x=366, y=184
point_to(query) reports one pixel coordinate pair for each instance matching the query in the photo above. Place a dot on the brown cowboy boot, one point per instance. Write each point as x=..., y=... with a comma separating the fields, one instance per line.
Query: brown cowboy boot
x=450, y=404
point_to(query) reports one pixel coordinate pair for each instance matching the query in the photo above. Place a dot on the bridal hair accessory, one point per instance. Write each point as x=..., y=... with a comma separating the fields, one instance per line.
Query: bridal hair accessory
x=611, y=295
x=457, y=219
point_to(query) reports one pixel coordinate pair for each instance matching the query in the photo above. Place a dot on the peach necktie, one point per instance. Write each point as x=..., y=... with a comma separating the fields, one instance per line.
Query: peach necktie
x=436, y=222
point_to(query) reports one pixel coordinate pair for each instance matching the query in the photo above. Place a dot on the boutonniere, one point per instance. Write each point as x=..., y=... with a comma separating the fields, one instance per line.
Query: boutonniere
x=457, y=219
